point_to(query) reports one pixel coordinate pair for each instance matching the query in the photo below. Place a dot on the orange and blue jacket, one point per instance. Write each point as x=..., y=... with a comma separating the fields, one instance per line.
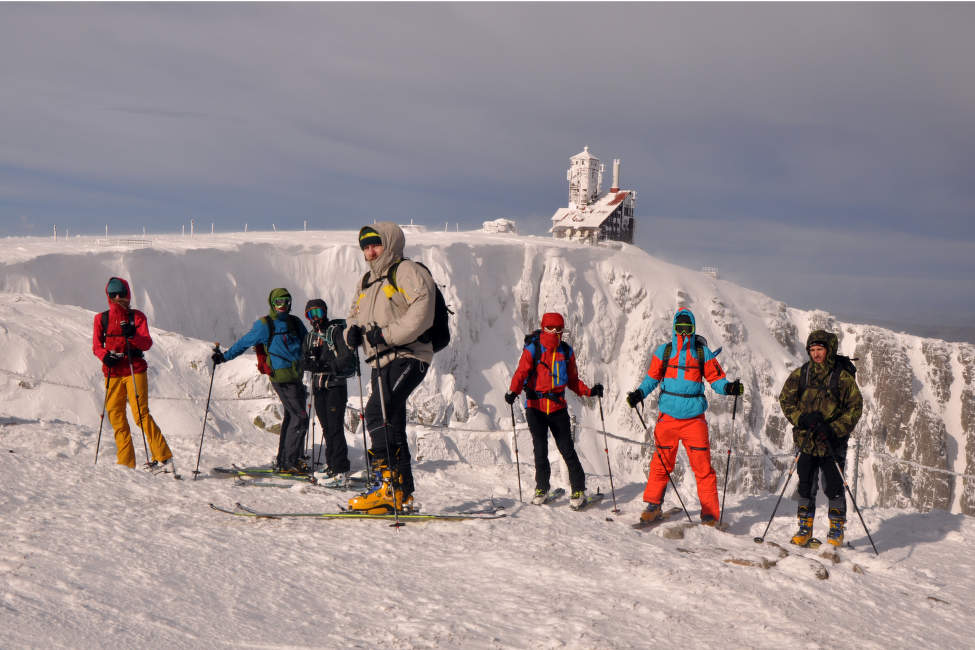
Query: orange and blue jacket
x=681, y=376
x=556, y=371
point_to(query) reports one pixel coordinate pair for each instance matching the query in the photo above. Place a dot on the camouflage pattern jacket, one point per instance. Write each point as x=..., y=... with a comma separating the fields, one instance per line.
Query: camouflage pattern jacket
x=841, y=411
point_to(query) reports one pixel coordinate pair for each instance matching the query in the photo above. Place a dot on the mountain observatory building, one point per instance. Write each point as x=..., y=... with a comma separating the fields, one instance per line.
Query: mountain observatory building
x=592, y=217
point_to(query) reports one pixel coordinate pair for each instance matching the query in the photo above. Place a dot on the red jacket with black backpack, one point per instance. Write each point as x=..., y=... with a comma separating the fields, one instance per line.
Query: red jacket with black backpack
x=107, y=337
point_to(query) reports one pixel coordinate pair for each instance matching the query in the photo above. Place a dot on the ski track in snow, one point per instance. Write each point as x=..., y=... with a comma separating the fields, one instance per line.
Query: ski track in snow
x=102, y=556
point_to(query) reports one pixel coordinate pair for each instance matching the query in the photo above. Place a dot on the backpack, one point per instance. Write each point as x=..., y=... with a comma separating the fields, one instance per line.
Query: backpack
x=439, y=333
x=335, y=358
x=843, y=362
x=263, y=349
x=559, y=373
x=134, y=353
x=699, y=344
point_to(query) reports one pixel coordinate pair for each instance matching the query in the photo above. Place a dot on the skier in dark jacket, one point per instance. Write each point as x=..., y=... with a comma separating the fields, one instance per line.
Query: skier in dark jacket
x=329, y=392
x=120, y=345
x=284, y=355
x=545, y=381
x=822, y=401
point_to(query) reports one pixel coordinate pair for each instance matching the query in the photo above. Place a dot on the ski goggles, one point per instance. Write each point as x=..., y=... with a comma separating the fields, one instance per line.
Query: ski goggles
x=684, y=329
x=117, y=294
x=281, y=302
x=315, y=313
x=555, y=329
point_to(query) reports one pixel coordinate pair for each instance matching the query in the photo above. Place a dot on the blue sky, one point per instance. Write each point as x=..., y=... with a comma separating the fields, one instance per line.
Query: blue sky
x=821, y=153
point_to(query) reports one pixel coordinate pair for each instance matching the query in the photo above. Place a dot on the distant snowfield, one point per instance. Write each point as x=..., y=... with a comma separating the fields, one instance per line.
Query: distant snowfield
x=102, y=556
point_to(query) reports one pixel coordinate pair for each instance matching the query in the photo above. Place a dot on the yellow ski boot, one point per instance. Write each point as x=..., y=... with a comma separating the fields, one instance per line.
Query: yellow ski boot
x=804, y=534
x=383, y=498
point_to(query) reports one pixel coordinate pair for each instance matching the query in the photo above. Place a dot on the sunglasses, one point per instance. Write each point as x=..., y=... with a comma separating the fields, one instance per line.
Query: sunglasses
x=553, y=329
x=282, y=301
x=316, y=313
x=115, y=294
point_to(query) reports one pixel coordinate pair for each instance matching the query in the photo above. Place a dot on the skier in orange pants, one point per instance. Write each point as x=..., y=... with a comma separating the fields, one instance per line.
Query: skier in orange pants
x=680, y=368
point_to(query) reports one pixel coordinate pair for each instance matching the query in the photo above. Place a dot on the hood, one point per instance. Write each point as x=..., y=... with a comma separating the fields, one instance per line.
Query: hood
x=116, y=282
x=676, y=339
x=276, y=293
x=828, y=339
x=394, y=241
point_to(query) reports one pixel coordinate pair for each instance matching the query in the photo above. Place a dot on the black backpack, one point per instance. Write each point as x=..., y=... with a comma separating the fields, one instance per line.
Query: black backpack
x=439, y=333
x=699, y=344
x=335, y=358
x=843, y=362
x=134, y=353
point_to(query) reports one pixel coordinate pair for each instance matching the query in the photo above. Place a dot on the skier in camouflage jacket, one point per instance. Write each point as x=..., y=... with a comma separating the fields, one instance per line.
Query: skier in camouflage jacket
x=823, y=416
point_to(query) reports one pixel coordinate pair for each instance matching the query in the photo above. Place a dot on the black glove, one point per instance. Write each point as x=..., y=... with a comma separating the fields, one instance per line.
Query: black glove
x=111, y=358
x=375, y=336
x=633, y=398
x=810, y=421
x=596, y=391
x=734, y=388
x=217, y=358
x=510, y=397
x=353, y=336
x=128, y=329
x=824, y=433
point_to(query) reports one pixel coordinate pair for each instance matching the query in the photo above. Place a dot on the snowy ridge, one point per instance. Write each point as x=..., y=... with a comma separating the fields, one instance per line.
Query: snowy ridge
x=619, y=302
x=102, y=556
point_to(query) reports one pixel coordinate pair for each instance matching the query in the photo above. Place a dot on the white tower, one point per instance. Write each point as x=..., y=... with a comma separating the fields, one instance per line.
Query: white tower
x=585, y=176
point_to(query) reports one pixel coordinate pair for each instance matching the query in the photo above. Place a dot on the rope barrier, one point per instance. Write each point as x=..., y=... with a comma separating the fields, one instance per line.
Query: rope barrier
x=870, y=453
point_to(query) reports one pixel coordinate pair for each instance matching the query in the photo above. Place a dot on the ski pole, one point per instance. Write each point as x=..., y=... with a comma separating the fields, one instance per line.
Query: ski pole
x=656, y=447
x=759, y=540
x=206, y=411
x=98, y=442
x=839, y=469
x=727, y=465
x=514, y=434
x=138, y=407
x=389, y=457
x=609, y=466
x=362, y=422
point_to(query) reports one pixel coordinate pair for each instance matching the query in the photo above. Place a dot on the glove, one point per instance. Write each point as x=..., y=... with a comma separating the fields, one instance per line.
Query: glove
x=510, y=397
x=633, y=398
x=128, y=329
x=596, y=391
x=217, y=358
x=824, y=433
x=811, y=421
x=353, y=336
x=734, y=388
x=375, y=336
x=111, y=358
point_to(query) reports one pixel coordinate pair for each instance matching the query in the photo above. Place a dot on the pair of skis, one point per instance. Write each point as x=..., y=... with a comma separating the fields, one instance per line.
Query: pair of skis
x=244, y=511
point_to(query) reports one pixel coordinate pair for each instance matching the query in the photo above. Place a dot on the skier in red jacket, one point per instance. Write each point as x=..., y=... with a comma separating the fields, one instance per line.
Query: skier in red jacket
x=121, y=336
x=547, y=367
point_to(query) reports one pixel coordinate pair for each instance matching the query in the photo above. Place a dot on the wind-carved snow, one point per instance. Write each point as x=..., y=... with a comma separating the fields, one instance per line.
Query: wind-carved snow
x=84, y=542
x=618, y=303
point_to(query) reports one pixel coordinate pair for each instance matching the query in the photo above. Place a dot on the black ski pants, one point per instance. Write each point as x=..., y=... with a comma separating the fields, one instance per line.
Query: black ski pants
x=399, y=378
x=330, y=408
x=539, y=424
x=809, y=468
x=294, y=426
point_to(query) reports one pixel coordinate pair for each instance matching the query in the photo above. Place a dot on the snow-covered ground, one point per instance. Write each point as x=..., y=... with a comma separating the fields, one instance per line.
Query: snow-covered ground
x=102, y=556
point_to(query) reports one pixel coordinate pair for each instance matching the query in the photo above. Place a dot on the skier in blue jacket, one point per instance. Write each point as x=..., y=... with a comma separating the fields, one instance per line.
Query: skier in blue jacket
x=284, y=356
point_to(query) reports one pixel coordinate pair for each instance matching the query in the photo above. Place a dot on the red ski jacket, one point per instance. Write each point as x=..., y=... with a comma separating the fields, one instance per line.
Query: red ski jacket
x=555, y=372
x=115, y=342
